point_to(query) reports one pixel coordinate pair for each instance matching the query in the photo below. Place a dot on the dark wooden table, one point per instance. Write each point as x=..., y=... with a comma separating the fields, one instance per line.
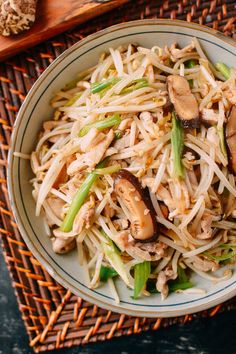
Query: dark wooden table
x=207, y=336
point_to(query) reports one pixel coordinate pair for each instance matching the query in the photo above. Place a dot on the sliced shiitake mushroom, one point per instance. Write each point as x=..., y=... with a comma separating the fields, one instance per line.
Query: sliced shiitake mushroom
x=136, y=199
x=231, y=137
x=184, y=101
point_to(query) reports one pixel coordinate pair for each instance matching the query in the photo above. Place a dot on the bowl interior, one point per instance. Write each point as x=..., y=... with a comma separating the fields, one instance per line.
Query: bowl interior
x=36, y=109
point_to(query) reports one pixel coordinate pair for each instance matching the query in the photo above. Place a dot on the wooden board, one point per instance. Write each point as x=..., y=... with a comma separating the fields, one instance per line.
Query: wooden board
x=54, y=17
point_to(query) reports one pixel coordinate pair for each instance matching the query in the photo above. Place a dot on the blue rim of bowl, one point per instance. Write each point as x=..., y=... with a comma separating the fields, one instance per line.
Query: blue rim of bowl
x=40, y=80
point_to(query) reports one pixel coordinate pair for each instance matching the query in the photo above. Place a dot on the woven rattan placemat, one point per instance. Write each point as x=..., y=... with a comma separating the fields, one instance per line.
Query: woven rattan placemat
x=55, y=318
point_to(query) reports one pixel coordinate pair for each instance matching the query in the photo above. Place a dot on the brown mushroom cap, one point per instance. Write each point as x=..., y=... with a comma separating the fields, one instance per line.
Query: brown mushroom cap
x=231, y=137
x=142, y=214
x=184, y=101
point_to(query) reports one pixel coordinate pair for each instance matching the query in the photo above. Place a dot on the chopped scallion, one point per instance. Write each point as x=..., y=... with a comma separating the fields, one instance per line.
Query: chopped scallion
x=113, y=256
x=227, y=246
x=106, y=273
x=108, y=170
x=177, y=144
x=118, y=134
x=222, y=141
x=135, y=85
x=189, y=64
x=70, y=85
x=141, y=274
x=224, y=70
x=100, y=86
x=181, y=283
x=79, y=198
x=221, y=258
x=101, y=124
x=73, y=100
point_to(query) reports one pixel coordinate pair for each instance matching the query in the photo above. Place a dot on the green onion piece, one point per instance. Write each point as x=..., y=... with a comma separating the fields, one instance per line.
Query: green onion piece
x=190, y=83
x=221, y=258
x=99, y=86
x=141, y=274
x=73, y=100
x=151, y=286
x=101, y=124
x=118, y=134
x=135, y=85
x=79, y=198
x=222, y=141
x=177, y=145
x=227, y=246
x=189, y=64
x=181, y=283
x=224, y=70
x=179, y=286
x=113, y=256
x=108, y=170
x=106, y=273
x=72, y=84
x=182, y=276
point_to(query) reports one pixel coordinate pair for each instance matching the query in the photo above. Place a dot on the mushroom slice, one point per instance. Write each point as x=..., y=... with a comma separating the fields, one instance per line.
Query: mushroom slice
x=141, y=212
x=184, y=101
x=231, y=137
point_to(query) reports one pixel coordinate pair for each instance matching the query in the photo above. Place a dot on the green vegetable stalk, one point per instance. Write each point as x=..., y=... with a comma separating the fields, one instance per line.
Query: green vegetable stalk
x=224, y=70
x=101, y=124
x=227, y=246
x=118, y=134
x=106, y=273
x=100, y=86
x=221, y=258
x=189, y=64
x=141, y=274
x=79, y=198
x=113, y=256
x=222, y=141
x=70, y=85
x=73, y=100
x=108, y=170
x=135, y=85
x=181, y=283
x=179, y=286
x=177, y=145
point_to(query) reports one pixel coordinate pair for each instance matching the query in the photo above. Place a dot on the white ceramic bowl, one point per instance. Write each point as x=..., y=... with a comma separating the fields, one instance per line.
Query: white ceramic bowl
x=36, y=109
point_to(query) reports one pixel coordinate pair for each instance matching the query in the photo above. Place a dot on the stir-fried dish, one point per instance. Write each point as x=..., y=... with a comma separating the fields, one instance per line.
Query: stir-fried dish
x=136, y=169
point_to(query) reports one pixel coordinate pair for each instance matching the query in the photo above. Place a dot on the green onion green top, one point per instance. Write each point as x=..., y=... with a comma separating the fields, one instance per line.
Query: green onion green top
x=177, y=145
x=79, y=199
x=181, y=283
x=141, y=274
x=135, y=85
x=73, y=100
x=113, y=256
x=106, y=273
x=101, y=124
x=100, y=86
x=222, y=141
x=224, y=70
x=221, y=258
x=189, y=64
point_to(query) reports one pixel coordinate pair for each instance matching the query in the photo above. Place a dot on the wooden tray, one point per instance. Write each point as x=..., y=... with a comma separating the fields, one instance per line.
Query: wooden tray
x=55, y=318
x=54, y=17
